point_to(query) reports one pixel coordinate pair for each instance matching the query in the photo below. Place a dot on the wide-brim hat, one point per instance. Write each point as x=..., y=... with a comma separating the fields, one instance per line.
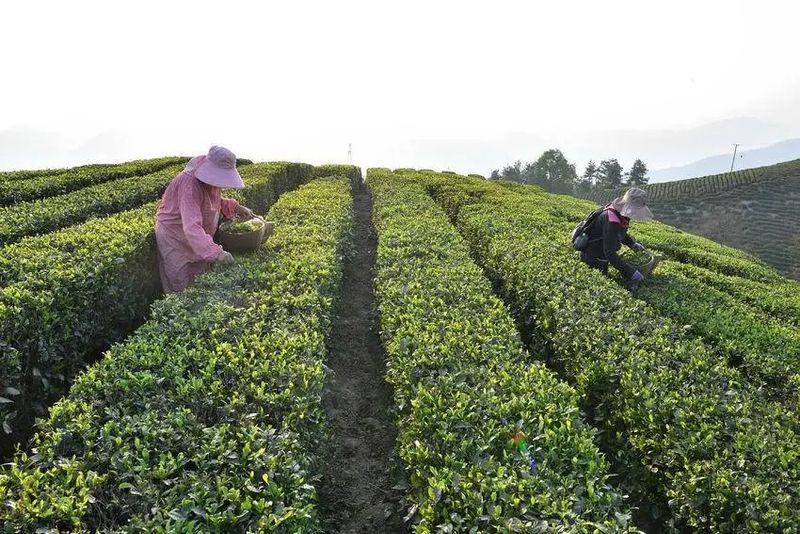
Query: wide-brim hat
x=219, y=169
x=633, y=204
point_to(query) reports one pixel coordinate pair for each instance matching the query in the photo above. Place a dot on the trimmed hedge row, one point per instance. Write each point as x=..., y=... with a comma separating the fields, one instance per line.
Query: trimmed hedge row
x=691, y=434
x=676, y=244
x=38, y=173
x=742, y=276
x=688, y=248
x=15, y=191
x=780, y=301
x=765, y=346
x=463, y=385
x=51, y=213
x=71, y=293
x=261, y=194
x=767, y=352
x=67, y=295
x=352, y=172
x=209, y=417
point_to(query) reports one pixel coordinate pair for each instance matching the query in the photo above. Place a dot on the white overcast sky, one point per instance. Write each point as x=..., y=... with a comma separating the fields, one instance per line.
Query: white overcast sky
x=461, y=85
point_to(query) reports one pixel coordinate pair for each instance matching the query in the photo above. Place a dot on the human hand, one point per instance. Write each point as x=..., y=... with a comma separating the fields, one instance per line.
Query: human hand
x=637, y=247
x=637, y=276
x=225, y=258
x=244, y=212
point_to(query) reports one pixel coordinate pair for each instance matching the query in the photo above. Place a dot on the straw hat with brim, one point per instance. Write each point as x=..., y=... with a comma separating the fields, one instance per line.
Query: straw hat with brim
x=219, y=169
x=633, y=204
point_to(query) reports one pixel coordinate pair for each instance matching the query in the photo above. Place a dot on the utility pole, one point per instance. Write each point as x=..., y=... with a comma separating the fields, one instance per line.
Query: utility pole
x=735, y=147
x=350, y=153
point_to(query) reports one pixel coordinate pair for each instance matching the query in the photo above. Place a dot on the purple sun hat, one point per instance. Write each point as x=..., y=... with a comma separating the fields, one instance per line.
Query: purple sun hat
x=219, y=169
x=633, y=204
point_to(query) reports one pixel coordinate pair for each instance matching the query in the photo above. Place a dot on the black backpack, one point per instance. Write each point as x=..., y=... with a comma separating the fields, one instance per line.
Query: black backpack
x=580, y=235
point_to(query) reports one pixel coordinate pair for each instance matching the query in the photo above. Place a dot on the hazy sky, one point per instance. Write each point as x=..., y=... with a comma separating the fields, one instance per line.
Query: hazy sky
x=461, y=85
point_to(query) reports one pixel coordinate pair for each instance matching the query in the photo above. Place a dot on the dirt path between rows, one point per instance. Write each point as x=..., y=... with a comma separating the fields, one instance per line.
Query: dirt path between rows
x=356, y=494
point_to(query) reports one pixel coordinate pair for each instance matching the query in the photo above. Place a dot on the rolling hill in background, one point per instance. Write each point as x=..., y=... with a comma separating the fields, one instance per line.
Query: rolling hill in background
x=745, y=159
x=754, y=210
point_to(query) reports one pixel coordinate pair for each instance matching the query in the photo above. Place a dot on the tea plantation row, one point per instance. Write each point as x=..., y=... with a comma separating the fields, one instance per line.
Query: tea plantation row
x=68, y=294
x=686, y=429
x=463, y=385
x=209, y=417
x=51, y=213
x=756, y=330
x=13, y=191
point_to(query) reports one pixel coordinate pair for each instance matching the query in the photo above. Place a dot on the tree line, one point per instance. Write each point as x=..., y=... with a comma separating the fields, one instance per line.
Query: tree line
x=554, y=173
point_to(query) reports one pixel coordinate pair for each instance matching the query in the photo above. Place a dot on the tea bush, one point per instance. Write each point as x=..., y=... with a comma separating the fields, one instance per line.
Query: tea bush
x=209, y=417
x=752, y=322
x=13, y=191
x=689, y=431
x=463, y=385
x=66, y=295
x=51, y=213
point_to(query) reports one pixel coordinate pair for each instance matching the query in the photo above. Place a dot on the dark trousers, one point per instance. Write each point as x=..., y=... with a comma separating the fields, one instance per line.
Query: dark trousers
x=594, y=262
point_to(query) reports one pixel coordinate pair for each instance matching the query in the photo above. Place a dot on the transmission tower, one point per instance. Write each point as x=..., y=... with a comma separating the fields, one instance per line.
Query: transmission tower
x=733, y=159
x=350, y=153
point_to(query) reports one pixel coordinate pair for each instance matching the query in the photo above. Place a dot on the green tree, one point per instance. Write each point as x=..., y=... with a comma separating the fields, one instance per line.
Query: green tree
x=609, y=174
x=513, y=172
x=552, y=171
x=586, y=182
x=637, y=174
x=495, y=175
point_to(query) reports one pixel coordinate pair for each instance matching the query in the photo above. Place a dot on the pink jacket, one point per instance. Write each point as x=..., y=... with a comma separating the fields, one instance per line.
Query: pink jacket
x=186, y=221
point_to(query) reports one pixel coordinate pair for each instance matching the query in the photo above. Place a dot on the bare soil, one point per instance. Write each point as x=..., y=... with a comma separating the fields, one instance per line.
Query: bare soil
x=356, y=494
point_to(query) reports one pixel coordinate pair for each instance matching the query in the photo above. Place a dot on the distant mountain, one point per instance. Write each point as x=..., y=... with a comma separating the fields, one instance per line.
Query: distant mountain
x=745, y=159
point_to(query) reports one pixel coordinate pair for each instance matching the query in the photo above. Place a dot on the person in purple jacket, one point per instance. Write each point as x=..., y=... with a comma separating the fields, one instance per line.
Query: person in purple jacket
x=610, y=231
